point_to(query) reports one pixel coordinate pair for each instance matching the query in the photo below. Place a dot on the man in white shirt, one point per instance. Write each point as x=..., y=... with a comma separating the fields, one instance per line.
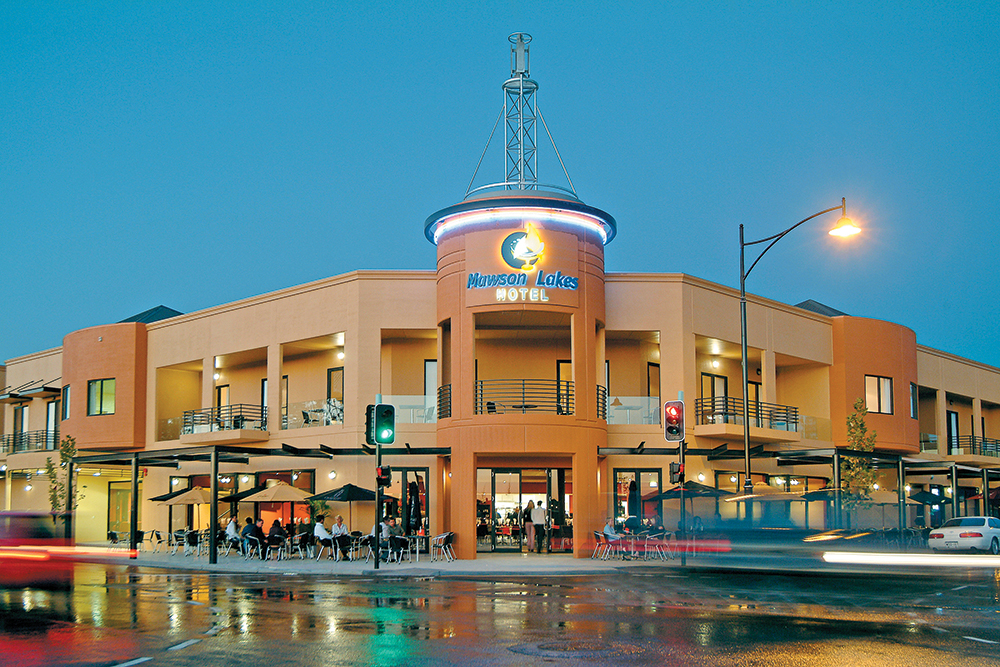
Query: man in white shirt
x=233, y=534
x=323, y=537
x=538, y=518
x=383, y=532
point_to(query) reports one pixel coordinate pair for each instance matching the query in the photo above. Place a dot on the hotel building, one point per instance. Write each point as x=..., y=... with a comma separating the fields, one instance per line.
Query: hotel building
x=519, y=369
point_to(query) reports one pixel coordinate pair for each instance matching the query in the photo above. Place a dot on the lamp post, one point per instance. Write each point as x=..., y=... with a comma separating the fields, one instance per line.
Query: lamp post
x=844, y=227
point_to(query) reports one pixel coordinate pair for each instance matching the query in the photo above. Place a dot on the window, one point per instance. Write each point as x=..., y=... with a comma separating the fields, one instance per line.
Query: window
x=65, y=402
x=914, y=401
x=101, y=397
x=878, y=394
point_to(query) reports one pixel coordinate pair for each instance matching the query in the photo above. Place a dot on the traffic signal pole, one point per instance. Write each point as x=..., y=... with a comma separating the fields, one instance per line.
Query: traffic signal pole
x=378, y=496
x=683, y=538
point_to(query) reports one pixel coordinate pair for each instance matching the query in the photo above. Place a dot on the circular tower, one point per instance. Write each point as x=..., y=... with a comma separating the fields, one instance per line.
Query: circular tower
x=520, y=303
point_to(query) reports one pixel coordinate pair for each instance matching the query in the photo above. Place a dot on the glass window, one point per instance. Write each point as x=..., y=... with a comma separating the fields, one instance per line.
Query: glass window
x=101, y=397
x=914, y=401
x=65, y=402
x=878, y=394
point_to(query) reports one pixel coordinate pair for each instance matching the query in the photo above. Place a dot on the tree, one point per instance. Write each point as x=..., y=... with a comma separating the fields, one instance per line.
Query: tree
x=857, y=475
x=59, y=499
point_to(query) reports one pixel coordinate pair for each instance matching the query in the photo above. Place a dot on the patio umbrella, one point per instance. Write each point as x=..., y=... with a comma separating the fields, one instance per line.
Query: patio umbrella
x=692, y=489
x=348, y=493
x=928, y=498
x=282, y=492
x=197, y=495
x=883, y=498
x=767, y=494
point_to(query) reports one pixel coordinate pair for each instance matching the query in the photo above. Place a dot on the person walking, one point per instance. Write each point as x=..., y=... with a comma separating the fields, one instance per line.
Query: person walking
x=529, y=527
x=538, y=519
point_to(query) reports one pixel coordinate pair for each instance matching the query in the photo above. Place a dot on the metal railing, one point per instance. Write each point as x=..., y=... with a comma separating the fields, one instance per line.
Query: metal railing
x=523, y=396
x=602, y=402
x=413, y=408
x=975, y=445
x=225, y=418
x=317, y=412
x=444, y=401
x=29, y=441
x=633, y=410
x=729, y=410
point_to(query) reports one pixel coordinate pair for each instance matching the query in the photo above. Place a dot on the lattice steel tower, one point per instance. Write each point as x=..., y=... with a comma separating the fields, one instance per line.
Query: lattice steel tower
x=520, y=111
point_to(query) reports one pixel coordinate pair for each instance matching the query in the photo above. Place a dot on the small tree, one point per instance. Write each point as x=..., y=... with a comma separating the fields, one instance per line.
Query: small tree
x=59, y=499
x=857, y=474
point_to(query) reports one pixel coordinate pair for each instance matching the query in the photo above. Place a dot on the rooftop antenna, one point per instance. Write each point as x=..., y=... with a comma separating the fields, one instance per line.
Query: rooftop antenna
x=520, y=130
x=520, y=110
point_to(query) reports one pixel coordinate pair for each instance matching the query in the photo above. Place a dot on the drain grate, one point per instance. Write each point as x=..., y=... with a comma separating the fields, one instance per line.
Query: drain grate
x=577, y=648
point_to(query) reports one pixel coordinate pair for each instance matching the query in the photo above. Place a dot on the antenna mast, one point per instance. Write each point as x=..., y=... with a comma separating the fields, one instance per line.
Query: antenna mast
x=520, y=111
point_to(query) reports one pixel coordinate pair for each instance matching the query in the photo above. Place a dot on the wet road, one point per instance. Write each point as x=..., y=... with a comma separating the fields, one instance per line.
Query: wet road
x=115, y=615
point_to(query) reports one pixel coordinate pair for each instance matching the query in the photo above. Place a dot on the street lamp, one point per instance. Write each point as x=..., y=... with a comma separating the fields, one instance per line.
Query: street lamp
x=844, y=227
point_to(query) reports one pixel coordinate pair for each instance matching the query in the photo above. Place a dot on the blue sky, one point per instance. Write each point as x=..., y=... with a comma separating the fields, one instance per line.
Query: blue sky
x=165, y=153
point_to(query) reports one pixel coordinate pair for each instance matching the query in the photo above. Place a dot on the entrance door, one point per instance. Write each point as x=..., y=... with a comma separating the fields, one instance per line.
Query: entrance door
x=505, y=528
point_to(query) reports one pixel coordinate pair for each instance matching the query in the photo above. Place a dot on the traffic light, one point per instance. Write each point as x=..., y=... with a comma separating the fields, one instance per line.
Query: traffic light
x=676, y=473
x=380, y=424
x=673, y=421
x=383, y=476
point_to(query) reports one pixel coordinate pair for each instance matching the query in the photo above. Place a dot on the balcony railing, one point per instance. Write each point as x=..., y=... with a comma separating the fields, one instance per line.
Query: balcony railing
x=225, y=418
x=728, y=410
x=928, y=442
x=523, y=396
x=319, y=412
x=169, y=429
x=633, y=410
x=976, y=445
x=413, y=408
x=29, y=441
x=444, y=401
x=602, y=402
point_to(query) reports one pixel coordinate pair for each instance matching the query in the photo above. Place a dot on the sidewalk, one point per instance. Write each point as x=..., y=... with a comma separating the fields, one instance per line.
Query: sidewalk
x=499, y=565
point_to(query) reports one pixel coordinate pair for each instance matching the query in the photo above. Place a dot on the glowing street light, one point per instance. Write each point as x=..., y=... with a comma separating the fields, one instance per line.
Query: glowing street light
x=844, y=227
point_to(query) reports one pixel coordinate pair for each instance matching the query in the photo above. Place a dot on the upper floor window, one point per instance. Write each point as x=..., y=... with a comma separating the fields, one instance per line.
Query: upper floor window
x=65, y=402
x=101, y=397
x=914, y=401
x=878, y=394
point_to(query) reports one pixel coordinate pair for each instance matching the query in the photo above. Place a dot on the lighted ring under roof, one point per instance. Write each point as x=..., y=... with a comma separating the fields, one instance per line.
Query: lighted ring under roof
x=486, y=212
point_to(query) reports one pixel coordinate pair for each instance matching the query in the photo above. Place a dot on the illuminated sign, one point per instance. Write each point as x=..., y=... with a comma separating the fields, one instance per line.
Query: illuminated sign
x=522, y=251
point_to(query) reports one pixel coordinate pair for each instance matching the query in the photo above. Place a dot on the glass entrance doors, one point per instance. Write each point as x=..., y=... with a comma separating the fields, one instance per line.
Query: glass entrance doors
x=503, y=497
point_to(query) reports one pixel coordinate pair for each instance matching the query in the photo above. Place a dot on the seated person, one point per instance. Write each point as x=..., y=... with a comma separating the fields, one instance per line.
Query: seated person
x=245, y=534
x=258, y=534
x=233, y=535
x=381, y=530
x=322, y=535
x=609, y=531
x=277, y=535
x=342, y=536
x=395, y=528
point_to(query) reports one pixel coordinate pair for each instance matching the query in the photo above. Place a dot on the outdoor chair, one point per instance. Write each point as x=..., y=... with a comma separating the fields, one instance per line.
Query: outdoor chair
x=441, y=547
x=276, y=546
x=140, y=537
x=657, y=546
x=252, y=546
x=155, y=539
x=599, y=546
x=192, y=543
x=324, y=544
x=113, y=540
x=303, y=541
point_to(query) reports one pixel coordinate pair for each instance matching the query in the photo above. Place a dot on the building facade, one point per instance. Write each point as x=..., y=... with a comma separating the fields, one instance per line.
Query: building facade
x=520, y=371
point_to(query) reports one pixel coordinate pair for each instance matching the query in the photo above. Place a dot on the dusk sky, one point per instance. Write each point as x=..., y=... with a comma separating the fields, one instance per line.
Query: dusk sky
x=191, y=154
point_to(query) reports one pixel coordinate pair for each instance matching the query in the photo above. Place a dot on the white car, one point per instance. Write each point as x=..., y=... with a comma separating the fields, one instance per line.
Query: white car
x=977, y=533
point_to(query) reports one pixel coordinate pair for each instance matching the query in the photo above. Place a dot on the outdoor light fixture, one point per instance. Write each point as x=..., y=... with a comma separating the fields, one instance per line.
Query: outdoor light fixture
x=97, y=474
x=216, y=376
x=701, y=477
x=173, y=482
x=733, y=478
x=843, y=228
x=244, y=479
x=3, y=468
x=907, y=487
x=340, y=355
x=333, y=474
x=27, y=487
x=715, y=363
x=875, y=486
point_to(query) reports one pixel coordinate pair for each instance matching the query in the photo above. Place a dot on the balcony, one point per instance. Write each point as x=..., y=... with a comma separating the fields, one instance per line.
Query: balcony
x=524, y=396
x=225, y=425
x=29, y=441
x=722, y=417
x=413, y=408
x=929, y=442
x=309, y=414
x=974, y=445
x=444, y=402
x=633, y=410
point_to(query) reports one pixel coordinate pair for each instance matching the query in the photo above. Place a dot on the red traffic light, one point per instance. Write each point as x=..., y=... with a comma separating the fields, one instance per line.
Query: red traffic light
x=673, y=421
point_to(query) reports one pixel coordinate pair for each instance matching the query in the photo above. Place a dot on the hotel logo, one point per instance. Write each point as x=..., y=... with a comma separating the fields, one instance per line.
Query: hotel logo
x=522, y=250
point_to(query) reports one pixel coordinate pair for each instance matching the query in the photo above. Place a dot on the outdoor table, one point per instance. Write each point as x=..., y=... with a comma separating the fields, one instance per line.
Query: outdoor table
x=414, y=541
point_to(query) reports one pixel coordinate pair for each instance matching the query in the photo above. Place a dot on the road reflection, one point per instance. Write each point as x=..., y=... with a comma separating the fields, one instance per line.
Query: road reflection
x=115, y=614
